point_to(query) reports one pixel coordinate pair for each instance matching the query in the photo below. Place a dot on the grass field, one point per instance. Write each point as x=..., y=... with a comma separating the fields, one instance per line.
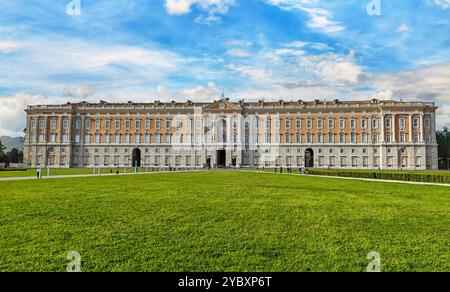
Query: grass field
x=222, y=221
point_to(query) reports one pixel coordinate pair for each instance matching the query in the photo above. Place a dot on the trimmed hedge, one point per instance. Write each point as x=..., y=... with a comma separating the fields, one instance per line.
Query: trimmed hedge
x=432, y=177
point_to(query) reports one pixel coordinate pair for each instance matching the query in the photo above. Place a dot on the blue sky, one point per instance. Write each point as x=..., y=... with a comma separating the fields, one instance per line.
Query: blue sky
x=146, y=50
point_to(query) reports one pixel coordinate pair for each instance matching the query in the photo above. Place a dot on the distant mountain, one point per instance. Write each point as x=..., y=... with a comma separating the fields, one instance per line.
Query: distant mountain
x=10, y=142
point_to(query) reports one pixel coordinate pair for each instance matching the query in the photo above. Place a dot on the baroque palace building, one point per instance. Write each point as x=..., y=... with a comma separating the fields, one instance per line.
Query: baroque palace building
x=322, y=134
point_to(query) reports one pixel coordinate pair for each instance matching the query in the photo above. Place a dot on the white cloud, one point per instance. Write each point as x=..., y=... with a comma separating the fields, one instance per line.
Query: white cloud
x=403, y=28
x=9, y=46
x=320, y=18
x=12, y=112
x=199, y=93
x=238, y=53
x=212, y=7
x=445, y=4
x=79, y=92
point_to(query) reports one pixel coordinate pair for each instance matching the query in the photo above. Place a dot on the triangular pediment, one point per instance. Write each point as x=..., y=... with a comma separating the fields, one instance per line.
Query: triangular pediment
x=222, y=105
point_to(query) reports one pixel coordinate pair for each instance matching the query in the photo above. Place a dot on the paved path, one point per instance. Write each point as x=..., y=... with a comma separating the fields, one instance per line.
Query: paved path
x=360, y=179
x=89, y=175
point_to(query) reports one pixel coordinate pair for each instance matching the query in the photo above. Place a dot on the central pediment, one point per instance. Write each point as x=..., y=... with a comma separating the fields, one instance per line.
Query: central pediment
x=222, y=105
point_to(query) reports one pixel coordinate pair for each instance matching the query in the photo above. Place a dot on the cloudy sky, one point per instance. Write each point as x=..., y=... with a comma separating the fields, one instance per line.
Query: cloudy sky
x=146, y=50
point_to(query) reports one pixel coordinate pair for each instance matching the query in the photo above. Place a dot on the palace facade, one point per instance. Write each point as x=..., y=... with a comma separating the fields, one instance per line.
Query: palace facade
x=322, y=134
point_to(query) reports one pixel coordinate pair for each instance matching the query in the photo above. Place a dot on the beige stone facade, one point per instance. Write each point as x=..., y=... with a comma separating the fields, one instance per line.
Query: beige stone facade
x=322, y=134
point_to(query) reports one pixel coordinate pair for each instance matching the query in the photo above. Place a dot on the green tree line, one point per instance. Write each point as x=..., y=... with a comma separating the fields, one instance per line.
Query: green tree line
x=443, y=139
x=12, y=156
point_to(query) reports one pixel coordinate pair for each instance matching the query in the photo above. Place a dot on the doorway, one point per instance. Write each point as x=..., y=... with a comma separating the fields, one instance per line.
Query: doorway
x=221, y=158
x=309, y=158
x=136, y=158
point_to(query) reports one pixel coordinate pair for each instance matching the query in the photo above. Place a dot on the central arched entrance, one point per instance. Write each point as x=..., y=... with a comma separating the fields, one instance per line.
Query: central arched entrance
x=136, y=157
x=309, y=158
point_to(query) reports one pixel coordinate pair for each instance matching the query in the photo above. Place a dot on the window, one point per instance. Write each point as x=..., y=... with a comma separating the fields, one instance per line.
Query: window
x=117, y=125
x=147, y=138
x=52, y=137
x=341, y=138
x=288, y=124
x=375, y=123
x=98, y=124
x=117, y=139
x=158, y=139
x=365, y=161
x=97, y=138
x=388, y=122
x=168, y=138
x=402, y=137
x=77, y=138
x=416, y=122
x=65, y=138
x=268, y=123
x=364, y=123
x=309, y=138
x=87, y=139
x=353, y=123
x=364, y=137
x=158, y=124
x=137, y=138
x=33, y=123
x=330, y=138
x=375, y=138
x=330, y=123
x=53, y=124
x=402, y=122
x=127, y=139
x=320, y=138
x=320, y=123
x=168, y=124
x=354, y=161
x=288, y=138
x=353, y=138
x=277, y=124
x=107, y=139
x=127, y=124
x=108, y=124
x=342, y=123
x=65, y=123
x=427, y=123
x=388, y=137
x=78, y=123
x=147, y=124
x=309, y=123
x=138, y=124
x=298, y=138
x=299, y=124
x=343, y=161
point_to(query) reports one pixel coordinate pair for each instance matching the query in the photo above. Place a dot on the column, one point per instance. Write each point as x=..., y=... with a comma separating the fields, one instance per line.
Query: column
x=421, y=129
x=383, y=140
x=433, y=128
x=393, y=127
x=411, y=129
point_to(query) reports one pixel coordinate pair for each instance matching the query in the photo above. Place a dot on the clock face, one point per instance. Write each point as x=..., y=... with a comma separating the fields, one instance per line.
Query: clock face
x=222, y=106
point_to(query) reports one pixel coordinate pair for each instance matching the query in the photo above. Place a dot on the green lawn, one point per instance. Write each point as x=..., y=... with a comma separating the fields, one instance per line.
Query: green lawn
x=222, y=221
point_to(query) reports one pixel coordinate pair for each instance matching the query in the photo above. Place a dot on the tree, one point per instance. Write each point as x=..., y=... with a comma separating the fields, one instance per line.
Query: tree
x=443, y=139
x=14, y=156
x=2, y=153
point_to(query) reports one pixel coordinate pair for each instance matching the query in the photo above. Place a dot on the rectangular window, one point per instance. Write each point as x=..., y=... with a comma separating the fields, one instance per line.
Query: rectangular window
x=341, y=138
x=364, y=123
x=98, y=124
x=107, y=124
x=342, y=123
x=127, y=124
x=158, y=124
x=288, y=124
x=416, y=122
x=168, y=124
x=330, y=124
x=137, y=138
x=147, y=124
x=97, y=139
x=320, y=138
x=138, y=124
x=402, y=137
x=107, y=139
x=127, y=138
x=353, y=123
x=320, y=123
x=65, y=123
x=117, y=139
x=388, y=122
x=330, y=138
x=353, y=137
x=117, y=125
x=299, y=124
x=309, y=123
x=402, y=122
